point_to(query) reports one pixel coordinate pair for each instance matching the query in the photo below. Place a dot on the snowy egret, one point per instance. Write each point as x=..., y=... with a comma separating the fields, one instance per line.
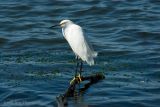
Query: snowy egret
x=74, y=35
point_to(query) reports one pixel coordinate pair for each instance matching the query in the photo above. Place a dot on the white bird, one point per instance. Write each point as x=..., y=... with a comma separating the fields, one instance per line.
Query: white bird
x=74, y=35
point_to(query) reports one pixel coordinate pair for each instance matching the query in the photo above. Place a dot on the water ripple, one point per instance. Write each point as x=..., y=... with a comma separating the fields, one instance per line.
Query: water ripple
x=36, y=63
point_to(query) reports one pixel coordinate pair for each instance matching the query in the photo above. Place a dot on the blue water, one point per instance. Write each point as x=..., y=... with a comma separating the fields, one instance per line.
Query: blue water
x=36, y=62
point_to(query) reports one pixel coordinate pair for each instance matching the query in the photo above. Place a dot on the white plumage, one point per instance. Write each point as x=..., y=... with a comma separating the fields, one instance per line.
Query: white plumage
x=74, y=35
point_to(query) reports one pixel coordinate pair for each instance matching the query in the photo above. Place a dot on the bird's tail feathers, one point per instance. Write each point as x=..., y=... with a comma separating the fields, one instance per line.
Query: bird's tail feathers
x=90, y=61
x=94, y=54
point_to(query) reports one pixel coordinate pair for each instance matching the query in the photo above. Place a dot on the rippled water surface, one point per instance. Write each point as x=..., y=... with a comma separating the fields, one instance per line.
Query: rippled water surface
x=36, y=63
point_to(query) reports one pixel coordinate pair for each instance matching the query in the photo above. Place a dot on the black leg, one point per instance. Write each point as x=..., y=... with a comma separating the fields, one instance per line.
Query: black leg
x=81, y=68
x=80, y=71
x=76, y=66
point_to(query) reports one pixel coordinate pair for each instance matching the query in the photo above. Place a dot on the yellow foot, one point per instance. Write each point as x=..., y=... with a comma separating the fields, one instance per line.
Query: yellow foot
x=78, y=79
x=71, y=82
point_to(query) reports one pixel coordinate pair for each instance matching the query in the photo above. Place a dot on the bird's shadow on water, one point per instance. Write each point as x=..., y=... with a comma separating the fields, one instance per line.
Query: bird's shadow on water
x=76, y=92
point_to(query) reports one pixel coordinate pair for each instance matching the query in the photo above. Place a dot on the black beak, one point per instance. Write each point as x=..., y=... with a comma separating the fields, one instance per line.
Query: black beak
x=54, y=26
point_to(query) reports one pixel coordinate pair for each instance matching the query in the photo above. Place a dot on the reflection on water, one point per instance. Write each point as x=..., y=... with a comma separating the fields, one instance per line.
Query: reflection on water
x=36, y=63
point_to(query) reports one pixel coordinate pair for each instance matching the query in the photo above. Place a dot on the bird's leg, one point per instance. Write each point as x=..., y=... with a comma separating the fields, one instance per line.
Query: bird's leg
x=81, y=68
x=75, y=76
x=80, y=72
x=77, y=60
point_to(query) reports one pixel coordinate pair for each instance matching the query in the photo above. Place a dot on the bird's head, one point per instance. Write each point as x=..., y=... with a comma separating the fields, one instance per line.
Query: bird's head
x=63, y=23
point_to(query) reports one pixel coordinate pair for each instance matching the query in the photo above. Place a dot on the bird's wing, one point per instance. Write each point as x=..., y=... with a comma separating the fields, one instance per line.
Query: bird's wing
x=77, y=41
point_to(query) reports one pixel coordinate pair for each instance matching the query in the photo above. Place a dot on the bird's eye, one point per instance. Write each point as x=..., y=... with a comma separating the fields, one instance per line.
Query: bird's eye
x=62, y=24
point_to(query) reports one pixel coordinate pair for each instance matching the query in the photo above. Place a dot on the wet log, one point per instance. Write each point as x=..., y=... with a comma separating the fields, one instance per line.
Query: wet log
x=62, y=99
x=92, y=80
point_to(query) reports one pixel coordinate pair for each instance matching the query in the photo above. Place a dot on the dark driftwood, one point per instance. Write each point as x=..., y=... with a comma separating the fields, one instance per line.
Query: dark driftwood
x=92, y=79
x=62, y=99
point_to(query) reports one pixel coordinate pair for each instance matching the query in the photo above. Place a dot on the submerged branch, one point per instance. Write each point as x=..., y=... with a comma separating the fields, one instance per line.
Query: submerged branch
x=62, y=99
x=92, y=80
